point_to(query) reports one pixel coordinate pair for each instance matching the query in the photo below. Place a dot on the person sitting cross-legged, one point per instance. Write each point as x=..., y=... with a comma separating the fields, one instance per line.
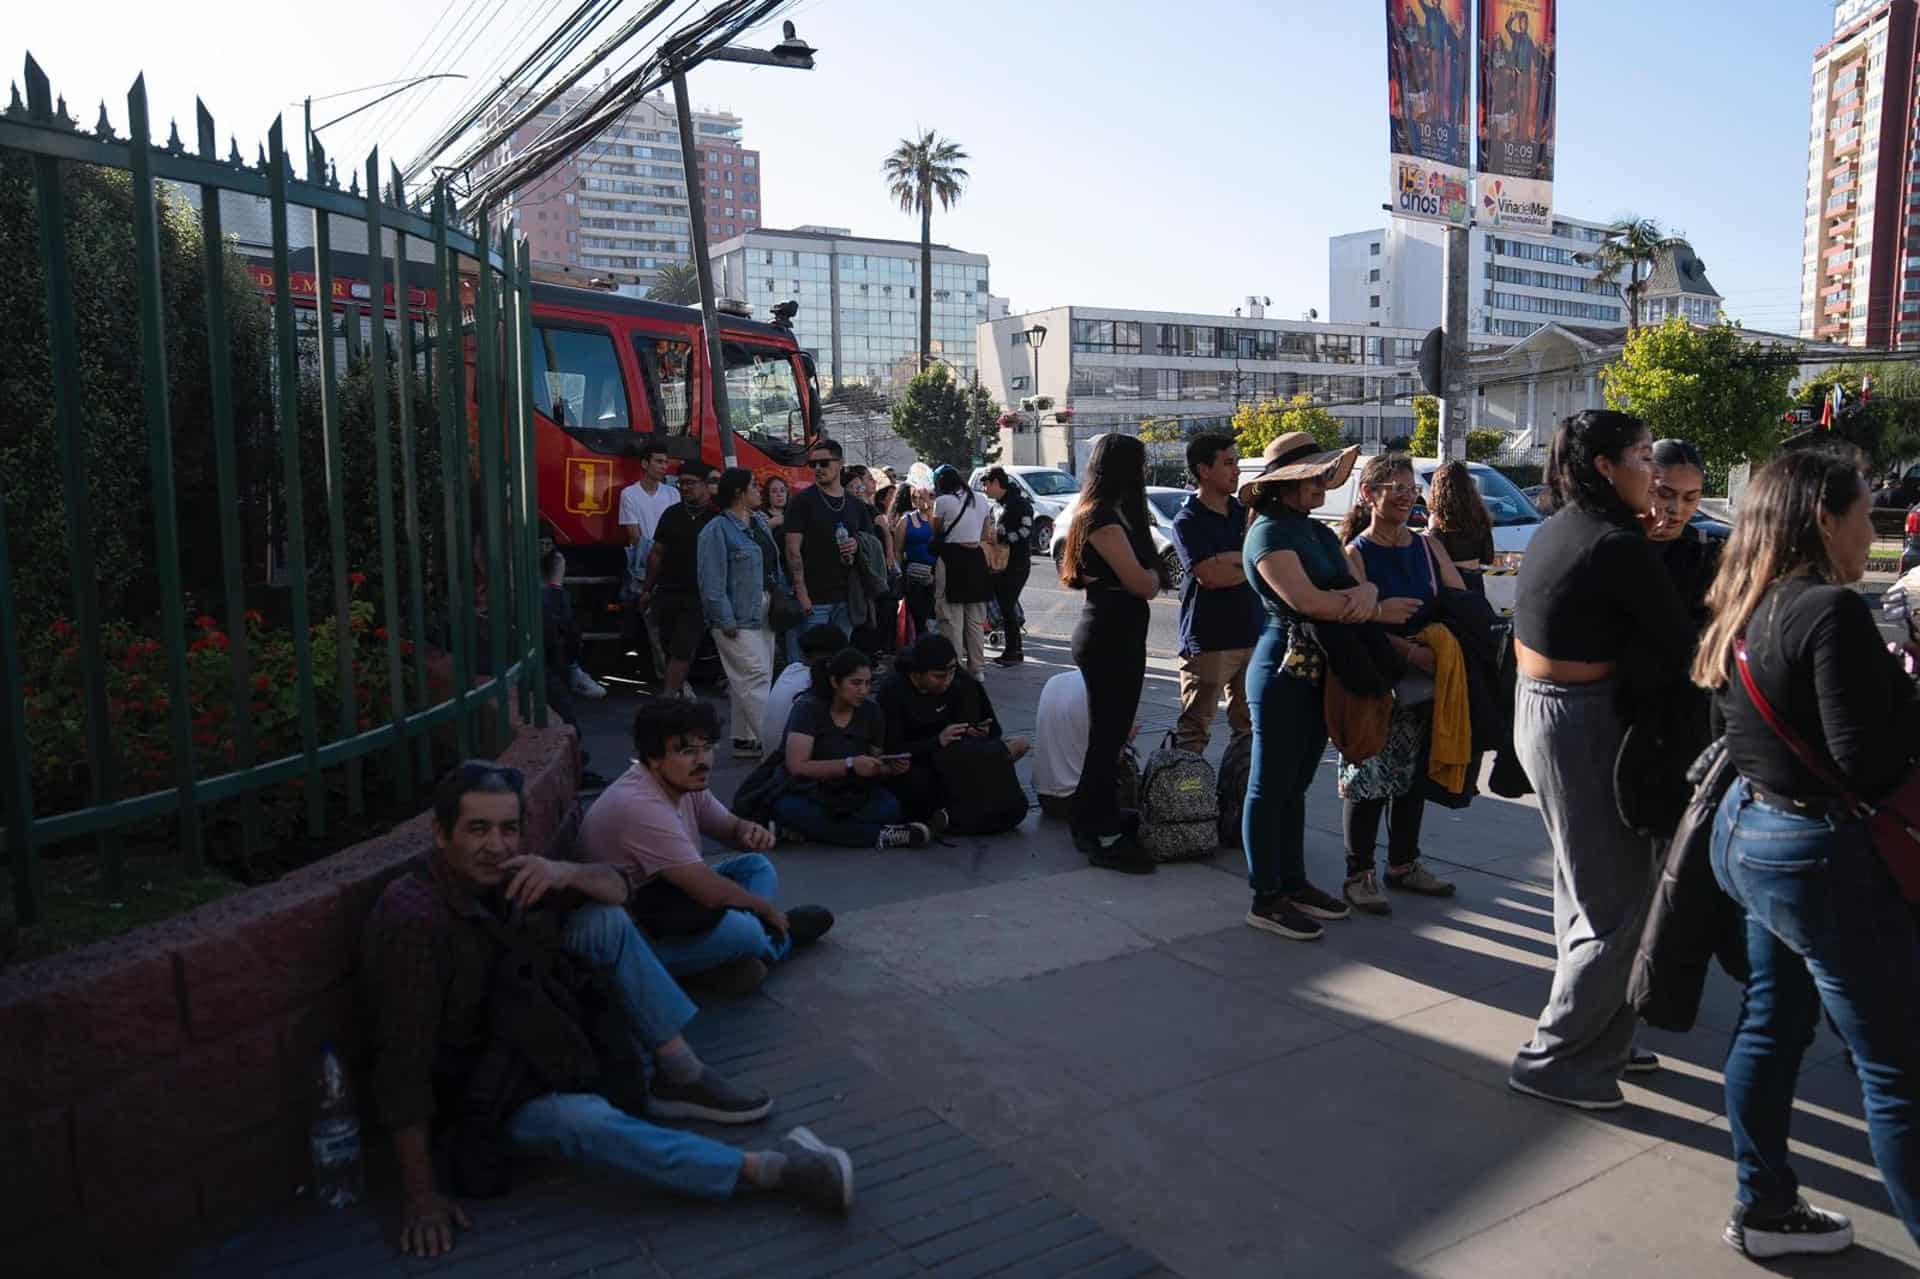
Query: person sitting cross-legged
x=930, y=704
x=464, y=1048
x=716, y=926
x=835, y=759
x=817, y=644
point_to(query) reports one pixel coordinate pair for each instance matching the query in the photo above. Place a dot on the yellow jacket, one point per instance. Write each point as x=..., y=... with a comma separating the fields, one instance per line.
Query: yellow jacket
x=1452, y=742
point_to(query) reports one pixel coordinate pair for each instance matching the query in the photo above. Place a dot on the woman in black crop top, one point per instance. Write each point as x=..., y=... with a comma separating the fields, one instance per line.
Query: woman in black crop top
x=1597, y=623
x=1109, y=555
x=1826, y=925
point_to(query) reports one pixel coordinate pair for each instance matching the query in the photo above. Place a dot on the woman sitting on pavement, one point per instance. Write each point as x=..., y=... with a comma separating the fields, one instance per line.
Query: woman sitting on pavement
x=733, y=572
x=1826, y=922
x=929, y=704
x=837, y=762
x=1408, y=572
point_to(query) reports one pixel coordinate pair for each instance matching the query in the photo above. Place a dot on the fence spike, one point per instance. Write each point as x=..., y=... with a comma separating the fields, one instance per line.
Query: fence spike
x=333, y=175
x=174, y=144
x=14, y=105
x=60, y=115
x=208, y=144
x=316, y=160
x=233, y=156
x=39, y=90
x=397, y=185
x=353, y=187
x=262, y=161
x=103, y=128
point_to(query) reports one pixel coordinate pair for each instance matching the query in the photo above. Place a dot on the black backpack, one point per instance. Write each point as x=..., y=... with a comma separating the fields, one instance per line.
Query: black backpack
x=1236, y=770
x=981, y=770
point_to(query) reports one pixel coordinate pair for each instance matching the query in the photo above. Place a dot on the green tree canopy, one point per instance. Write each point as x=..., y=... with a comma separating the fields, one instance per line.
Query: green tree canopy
x=1710, y=387
x=1257, y=425
x=1162, y=430
x=920, y=173
x=948, y=422
x=1426, y=426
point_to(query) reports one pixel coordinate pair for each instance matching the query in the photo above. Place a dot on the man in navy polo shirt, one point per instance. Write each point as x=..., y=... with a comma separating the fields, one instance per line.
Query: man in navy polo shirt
x=1219, y=613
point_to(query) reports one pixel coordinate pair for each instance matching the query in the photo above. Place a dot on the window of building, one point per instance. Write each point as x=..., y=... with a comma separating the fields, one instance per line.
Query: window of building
x=1107, y=337
x=1373, y=250
x=663, y=370
x=1373, y=276
x=749, y=161
x=1373, y=301
x=577, y=381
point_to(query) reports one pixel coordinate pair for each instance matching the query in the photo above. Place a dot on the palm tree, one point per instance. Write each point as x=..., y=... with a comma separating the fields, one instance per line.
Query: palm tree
x=677, y=283
x=918, y=173
x=1630, y=244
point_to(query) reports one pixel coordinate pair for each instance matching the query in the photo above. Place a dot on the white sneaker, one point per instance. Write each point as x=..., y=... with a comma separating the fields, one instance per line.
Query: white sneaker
x=585, y=685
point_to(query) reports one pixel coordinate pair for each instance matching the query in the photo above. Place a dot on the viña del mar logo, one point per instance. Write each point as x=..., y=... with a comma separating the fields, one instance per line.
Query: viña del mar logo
x=1494, y=200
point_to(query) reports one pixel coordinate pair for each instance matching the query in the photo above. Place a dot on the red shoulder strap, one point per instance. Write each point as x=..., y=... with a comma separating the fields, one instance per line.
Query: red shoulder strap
x=1814, y=761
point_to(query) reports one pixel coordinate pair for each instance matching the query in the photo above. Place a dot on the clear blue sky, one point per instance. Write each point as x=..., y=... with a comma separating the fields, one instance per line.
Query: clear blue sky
x=1125, y=153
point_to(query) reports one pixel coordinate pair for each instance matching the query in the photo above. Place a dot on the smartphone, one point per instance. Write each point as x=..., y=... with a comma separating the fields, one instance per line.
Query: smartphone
x=895, y=759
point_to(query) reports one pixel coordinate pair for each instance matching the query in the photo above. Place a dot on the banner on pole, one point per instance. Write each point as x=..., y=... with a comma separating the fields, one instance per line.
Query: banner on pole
x=1516, y=117
x=1429, y=77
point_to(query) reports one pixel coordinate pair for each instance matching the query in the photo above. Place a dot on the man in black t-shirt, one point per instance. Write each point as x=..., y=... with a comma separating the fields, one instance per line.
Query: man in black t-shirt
x=821, y=524
x=673, y=588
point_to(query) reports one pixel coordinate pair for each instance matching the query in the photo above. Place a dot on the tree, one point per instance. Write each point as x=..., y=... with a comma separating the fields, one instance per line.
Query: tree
x=920, y=172
x=1485, y=445
x=1885, y=423
x=1426, y=426
x=1710, y=387
x=1631, y=243
x=860, y=418
x=1161, y=430
x=678, y=283
x=1257, y=425
x=948, y=422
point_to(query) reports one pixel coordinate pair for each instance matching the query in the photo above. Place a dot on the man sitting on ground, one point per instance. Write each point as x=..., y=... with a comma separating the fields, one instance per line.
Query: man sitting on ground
x=929, y=704
x=440, y=1039
x=715, y=923
x=817, y=644
x=1060, y=742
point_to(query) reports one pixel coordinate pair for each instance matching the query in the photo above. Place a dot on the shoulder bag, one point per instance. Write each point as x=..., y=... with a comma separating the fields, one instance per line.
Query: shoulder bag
x=1893, y=823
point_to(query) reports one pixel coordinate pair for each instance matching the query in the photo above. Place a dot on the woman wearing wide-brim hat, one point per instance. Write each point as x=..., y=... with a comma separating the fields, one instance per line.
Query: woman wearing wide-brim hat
x=1296, y=566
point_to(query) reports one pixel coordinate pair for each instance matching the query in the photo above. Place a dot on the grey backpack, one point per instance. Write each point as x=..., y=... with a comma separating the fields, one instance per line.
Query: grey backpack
x=1179, y=805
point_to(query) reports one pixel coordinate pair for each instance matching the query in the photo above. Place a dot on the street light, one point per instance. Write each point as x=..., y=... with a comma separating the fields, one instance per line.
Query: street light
x=794, y=54
x=1036, y=336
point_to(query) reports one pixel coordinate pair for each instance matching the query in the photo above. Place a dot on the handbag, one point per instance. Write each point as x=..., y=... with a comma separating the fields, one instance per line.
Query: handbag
x=1893, y=824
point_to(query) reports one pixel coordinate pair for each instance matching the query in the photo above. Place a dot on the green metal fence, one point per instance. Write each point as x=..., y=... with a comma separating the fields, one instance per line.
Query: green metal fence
x=485, y=446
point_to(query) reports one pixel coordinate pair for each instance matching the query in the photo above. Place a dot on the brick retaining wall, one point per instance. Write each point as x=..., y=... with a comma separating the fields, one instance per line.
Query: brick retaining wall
x=154, y=1087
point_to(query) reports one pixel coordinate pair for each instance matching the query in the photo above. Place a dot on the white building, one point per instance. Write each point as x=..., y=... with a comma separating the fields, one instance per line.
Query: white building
x=859, y=299
x=1115, y=368
x=1395, y=277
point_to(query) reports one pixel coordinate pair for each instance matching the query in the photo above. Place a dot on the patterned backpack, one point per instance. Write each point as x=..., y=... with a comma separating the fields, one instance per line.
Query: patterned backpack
x=1179, y=805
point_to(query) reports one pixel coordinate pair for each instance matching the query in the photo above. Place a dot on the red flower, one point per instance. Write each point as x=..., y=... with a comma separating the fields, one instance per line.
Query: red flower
x=205, y=739
x=62, y=628
x=357, y=579
x=262, y=683
x=219, y=639
x=205, y=622
x=380, y=633
x=259, y=708
x=254, y=617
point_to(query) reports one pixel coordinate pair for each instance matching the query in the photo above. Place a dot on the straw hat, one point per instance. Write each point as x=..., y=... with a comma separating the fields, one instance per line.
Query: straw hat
x=1298, y=456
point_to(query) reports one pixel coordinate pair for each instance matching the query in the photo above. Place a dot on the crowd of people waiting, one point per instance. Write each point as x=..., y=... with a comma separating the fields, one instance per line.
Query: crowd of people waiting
x=1738, y=710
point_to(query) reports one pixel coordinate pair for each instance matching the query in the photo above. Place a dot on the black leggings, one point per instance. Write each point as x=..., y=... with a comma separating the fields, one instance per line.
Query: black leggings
x=1006, y=592
x=919, y=604
x=1110, y=648
x=1361, y=819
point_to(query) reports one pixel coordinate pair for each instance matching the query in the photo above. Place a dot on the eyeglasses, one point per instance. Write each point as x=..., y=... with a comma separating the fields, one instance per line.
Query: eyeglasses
x=1398, y=490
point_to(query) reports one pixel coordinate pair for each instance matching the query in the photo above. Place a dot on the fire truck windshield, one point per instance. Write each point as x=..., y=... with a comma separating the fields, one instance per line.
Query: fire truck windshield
x=764, y=398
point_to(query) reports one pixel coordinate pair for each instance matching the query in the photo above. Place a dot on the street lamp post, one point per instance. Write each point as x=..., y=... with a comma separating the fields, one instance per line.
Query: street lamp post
x=1036, y=336
x=797, y=55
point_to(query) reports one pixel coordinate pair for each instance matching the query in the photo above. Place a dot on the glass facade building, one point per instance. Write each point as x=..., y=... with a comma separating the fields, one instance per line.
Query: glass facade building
x=859, y=300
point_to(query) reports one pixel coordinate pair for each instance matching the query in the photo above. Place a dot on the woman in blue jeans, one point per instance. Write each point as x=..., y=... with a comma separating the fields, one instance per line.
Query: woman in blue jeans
x=835, y=748
x=1295, y=564
x=1826, y=924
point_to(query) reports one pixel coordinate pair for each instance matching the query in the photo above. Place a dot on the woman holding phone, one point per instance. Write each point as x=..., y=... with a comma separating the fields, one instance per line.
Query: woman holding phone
x=837, y=758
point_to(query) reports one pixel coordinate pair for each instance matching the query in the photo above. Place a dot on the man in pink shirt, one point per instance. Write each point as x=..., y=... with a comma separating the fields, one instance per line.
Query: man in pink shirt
x=717, y=924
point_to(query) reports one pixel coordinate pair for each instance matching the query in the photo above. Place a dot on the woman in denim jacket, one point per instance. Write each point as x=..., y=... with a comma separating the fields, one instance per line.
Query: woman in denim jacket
x=733, y=594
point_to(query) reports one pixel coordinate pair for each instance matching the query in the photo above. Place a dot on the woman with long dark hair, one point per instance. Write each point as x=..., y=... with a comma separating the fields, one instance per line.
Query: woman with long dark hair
x=1826, y=923
x=774, y=493
x=1109, y=555
x=1598, y=629
x=1295, y=565
x=836, y=755
x=1679, y=481
x=1457, y=517
x=1408, y=571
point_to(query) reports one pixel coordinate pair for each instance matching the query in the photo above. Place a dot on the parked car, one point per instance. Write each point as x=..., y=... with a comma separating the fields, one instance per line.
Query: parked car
x=1164, y=503
x=1910, y=553
x=1899, y=490
x=1048, y=488
x=1711, y=529
x=1515, y=517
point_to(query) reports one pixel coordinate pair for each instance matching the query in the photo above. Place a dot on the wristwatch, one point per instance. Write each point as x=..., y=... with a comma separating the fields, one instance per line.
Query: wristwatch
x=849, y=762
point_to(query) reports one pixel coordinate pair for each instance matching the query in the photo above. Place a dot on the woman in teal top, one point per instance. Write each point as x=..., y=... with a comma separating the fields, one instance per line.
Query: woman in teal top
x=1297, y=568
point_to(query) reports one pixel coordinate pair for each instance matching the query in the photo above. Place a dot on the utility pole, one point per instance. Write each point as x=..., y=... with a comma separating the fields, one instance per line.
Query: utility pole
x=1456, y=383
x=709, y=315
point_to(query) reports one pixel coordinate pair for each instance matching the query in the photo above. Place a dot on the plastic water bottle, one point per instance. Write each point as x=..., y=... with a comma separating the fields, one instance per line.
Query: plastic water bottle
x=338, y=1179
x=840, y=539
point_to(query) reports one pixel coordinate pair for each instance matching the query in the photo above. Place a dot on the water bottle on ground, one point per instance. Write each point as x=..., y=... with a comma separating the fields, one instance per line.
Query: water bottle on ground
x=338, y=1179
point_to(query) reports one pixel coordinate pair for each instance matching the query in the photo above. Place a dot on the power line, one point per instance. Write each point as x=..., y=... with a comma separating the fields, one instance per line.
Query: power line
x=434, y=61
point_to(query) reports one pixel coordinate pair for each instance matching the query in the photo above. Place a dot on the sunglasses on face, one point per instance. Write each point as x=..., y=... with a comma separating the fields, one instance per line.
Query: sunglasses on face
x=818, y=462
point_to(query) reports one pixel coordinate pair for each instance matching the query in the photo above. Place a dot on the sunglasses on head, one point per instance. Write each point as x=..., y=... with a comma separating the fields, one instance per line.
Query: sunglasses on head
x=483, y=768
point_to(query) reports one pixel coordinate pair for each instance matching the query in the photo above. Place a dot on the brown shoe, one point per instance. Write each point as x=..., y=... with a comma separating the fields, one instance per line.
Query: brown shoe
x=1419, y=880
x=1363, y=893
x=732, y=979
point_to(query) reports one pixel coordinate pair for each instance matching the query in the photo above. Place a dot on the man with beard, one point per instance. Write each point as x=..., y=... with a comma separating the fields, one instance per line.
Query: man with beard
x=714, y=926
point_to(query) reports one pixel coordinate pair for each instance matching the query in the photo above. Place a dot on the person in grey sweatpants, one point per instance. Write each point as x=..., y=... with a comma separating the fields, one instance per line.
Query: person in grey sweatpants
x=1603, y=879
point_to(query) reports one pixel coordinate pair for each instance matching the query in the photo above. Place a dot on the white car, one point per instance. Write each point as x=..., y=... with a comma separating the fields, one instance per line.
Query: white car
x=1515, y=517
x=1048, y=488
x=1164, y=503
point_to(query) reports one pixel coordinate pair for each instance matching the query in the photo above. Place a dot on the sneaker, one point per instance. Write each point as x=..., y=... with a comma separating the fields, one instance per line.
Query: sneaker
x=709, y=1097
x=1273, y=913
x=1642, y=1062
x=816, y=1171
x=1802, y=1229
x=906, y=835
x=746, y=748
x=938, y=824
x=1311, y=901
x=1363, y=893
x=1123, y=854
x=1419, y=880
x=732, y=979
x=585, y=685
x=1009, y=659
x=808, y=924
x=1613, y=1102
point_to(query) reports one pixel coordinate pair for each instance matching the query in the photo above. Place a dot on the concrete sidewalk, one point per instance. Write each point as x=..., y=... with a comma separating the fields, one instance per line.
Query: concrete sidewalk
x=1052, y=1070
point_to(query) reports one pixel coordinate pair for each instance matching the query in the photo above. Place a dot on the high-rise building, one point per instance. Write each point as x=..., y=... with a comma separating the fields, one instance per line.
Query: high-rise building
x=1861, y=167
x=618, y=206
x=859, y=299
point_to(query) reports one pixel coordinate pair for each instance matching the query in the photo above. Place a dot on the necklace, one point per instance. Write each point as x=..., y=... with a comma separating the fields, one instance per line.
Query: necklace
x=835, y=507
x=1403, y=538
